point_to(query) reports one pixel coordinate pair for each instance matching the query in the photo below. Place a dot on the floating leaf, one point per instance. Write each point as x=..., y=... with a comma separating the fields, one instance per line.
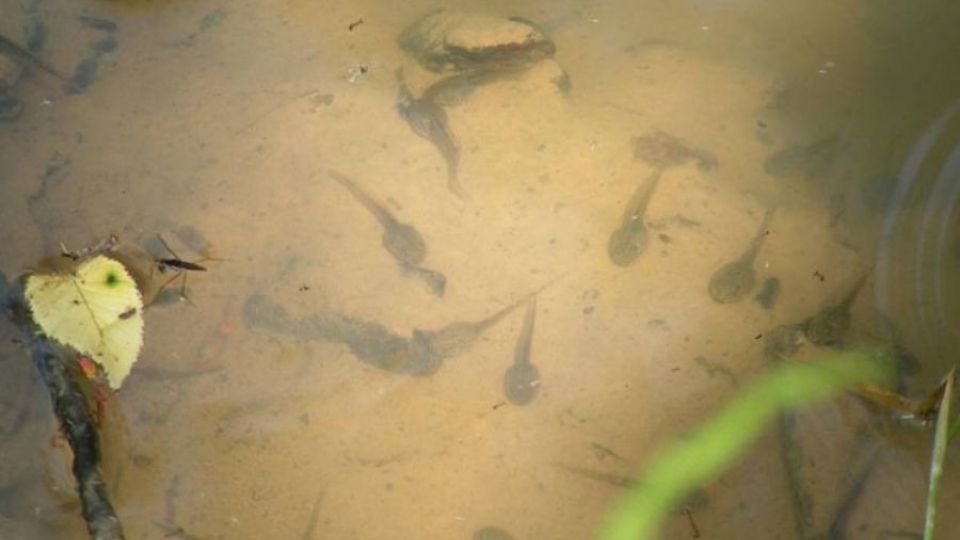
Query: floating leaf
x=97, y=310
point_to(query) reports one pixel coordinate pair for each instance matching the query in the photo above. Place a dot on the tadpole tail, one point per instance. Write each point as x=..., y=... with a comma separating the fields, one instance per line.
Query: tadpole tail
x=379, y=211
x=521, y=354
x=854, y=291
x=453, y=173
x=492, y=319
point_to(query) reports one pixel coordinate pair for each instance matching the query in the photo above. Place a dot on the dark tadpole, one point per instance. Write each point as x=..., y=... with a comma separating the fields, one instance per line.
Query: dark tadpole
x=808, y=160
x=420, y=355
x=630, y=240
x=370, y=342
x=830, y=325
x=782, y=342
x=84, y=75
x=734, y=280
x=456, y=338
x=401, y=240
x=436, y=281
x=97, y=23
x=10, y=108
x=429, y=120
x=521, y=382
x=769, y=293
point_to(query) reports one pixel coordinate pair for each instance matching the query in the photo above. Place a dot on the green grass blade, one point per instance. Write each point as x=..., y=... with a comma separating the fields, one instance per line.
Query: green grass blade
x=939, y=452
x=954, y=429
x=715, y=445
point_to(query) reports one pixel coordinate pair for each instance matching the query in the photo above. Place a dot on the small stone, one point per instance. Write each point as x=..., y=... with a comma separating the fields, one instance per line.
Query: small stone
x=450, y=40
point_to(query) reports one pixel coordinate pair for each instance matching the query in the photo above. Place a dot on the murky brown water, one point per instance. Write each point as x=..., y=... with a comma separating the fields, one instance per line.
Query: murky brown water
x=294, y=398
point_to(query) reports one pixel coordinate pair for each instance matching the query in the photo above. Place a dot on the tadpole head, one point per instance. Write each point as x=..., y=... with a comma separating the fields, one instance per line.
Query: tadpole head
x=521, y=383
x=405, y=244
x=626, y=244
x=423, y=361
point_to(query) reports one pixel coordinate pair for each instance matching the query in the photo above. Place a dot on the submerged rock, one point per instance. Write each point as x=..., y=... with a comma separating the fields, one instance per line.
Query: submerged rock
x=449, y=40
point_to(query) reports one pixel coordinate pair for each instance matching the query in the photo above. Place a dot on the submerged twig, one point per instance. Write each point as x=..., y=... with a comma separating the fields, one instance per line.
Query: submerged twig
x=79, y=428
x=77, y=424
x=107, y=244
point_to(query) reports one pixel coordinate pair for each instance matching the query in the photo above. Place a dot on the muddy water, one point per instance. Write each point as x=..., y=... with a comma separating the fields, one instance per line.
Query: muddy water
x=314, y=387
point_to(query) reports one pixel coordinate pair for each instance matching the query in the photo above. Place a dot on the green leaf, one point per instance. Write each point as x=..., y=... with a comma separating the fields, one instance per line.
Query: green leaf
x=97, y=310
x=699, y=458
x=939, y=452
x=954, y=429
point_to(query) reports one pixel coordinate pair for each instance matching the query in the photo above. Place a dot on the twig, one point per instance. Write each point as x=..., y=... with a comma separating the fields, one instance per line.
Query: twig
x=79, y=429
x=53, y=361
x=693, y=524
x=103, y=246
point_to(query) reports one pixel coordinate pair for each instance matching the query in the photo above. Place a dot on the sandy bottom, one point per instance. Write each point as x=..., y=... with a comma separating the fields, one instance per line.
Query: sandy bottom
x=216, y=126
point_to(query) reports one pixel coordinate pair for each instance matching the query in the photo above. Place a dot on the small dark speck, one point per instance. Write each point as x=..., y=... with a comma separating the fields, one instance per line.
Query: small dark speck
x=818, y=275
x=303, y=288
x=498, y=405
x=676, y=369
x=354, y=24
x=758, y=336
x=665, y=238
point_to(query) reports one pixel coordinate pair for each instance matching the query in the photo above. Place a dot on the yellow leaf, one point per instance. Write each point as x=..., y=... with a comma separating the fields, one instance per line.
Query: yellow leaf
x=97, y=310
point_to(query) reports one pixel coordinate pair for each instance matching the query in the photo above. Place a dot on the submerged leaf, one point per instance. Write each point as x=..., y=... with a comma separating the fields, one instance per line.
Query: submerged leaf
x=97, y=310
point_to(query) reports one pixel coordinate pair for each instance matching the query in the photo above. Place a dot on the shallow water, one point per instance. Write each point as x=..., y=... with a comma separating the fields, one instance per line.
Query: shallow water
x=216, y=125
